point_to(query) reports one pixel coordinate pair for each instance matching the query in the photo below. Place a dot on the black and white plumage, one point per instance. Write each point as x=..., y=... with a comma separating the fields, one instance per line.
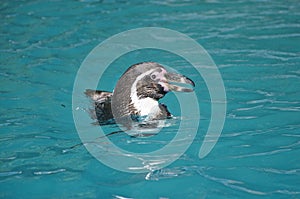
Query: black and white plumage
x=136, y=94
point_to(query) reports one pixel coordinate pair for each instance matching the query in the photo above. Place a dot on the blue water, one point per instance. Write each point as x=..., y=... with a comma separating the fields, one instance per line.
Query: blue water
x=256, y=46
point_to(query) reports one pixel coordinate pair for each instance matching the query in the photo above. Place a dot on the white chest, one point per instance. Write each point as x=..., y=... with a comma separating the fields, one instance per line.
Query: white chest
x=146, y=106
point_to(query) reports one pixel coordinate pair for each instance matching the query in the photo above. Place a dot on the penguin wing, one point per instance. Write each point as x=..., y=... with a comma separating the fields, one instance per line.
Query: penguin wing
x=101, y=109
x=164, y=114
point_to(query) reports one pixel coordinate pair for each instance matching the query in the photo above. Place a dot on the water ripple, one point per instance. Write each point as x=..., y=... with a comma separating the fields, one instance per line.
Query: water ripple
x=278, y=171
x=10, y=173
x=49, y=172
x=233, y=184
x=267, y=153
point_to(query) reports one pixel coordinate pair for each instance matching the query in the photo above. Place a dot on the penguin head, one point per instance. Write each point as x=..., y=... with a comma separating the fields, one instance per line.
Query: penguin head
x=154, y=81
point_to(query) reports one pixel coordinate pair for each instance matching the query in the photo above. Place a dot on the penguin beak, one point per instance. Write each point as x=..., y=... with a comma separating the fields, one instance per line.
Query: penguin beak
x=177, y=82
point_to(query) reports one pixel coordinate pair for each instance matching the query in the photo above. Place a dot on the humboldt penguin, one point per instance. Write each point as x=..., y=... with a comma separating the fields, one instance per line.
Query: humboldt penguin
x=136, y=95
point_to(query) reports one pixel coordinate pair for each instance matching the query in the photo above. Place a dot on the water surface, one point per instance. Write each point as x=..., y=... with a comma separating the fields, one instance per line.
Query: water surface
x=255, y=45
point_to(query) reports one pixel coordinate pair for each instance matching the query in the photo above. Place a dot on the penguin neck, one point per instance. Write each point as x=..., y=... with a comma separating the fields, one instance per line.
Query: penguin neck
x=145, y=106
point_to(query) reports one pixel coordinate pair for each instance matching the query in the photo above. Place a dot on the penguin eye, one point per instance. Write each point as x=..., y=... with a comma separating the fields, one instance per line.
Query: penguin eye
x=153, y=76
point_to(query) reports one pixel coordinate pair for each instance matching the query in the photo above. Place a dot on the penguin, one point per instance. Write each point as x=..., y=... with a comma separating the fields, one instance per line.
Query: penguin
x=137, y=94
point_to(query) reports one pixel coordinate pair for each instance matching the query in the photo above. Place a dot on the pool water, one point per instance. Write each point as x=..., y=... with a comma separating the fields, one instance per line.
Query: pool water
x=255, y=45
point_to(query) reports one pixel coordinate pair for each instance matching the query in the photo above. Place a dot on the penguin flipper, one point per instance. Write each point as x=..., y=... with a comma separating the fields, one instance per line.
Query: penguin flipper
x=101, y=109
x=165, y=113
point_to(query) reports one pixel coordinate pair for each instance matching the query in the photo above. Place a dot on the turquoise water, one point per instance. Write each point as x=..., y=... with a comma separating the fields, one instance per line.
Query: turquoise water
x=255, y=45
